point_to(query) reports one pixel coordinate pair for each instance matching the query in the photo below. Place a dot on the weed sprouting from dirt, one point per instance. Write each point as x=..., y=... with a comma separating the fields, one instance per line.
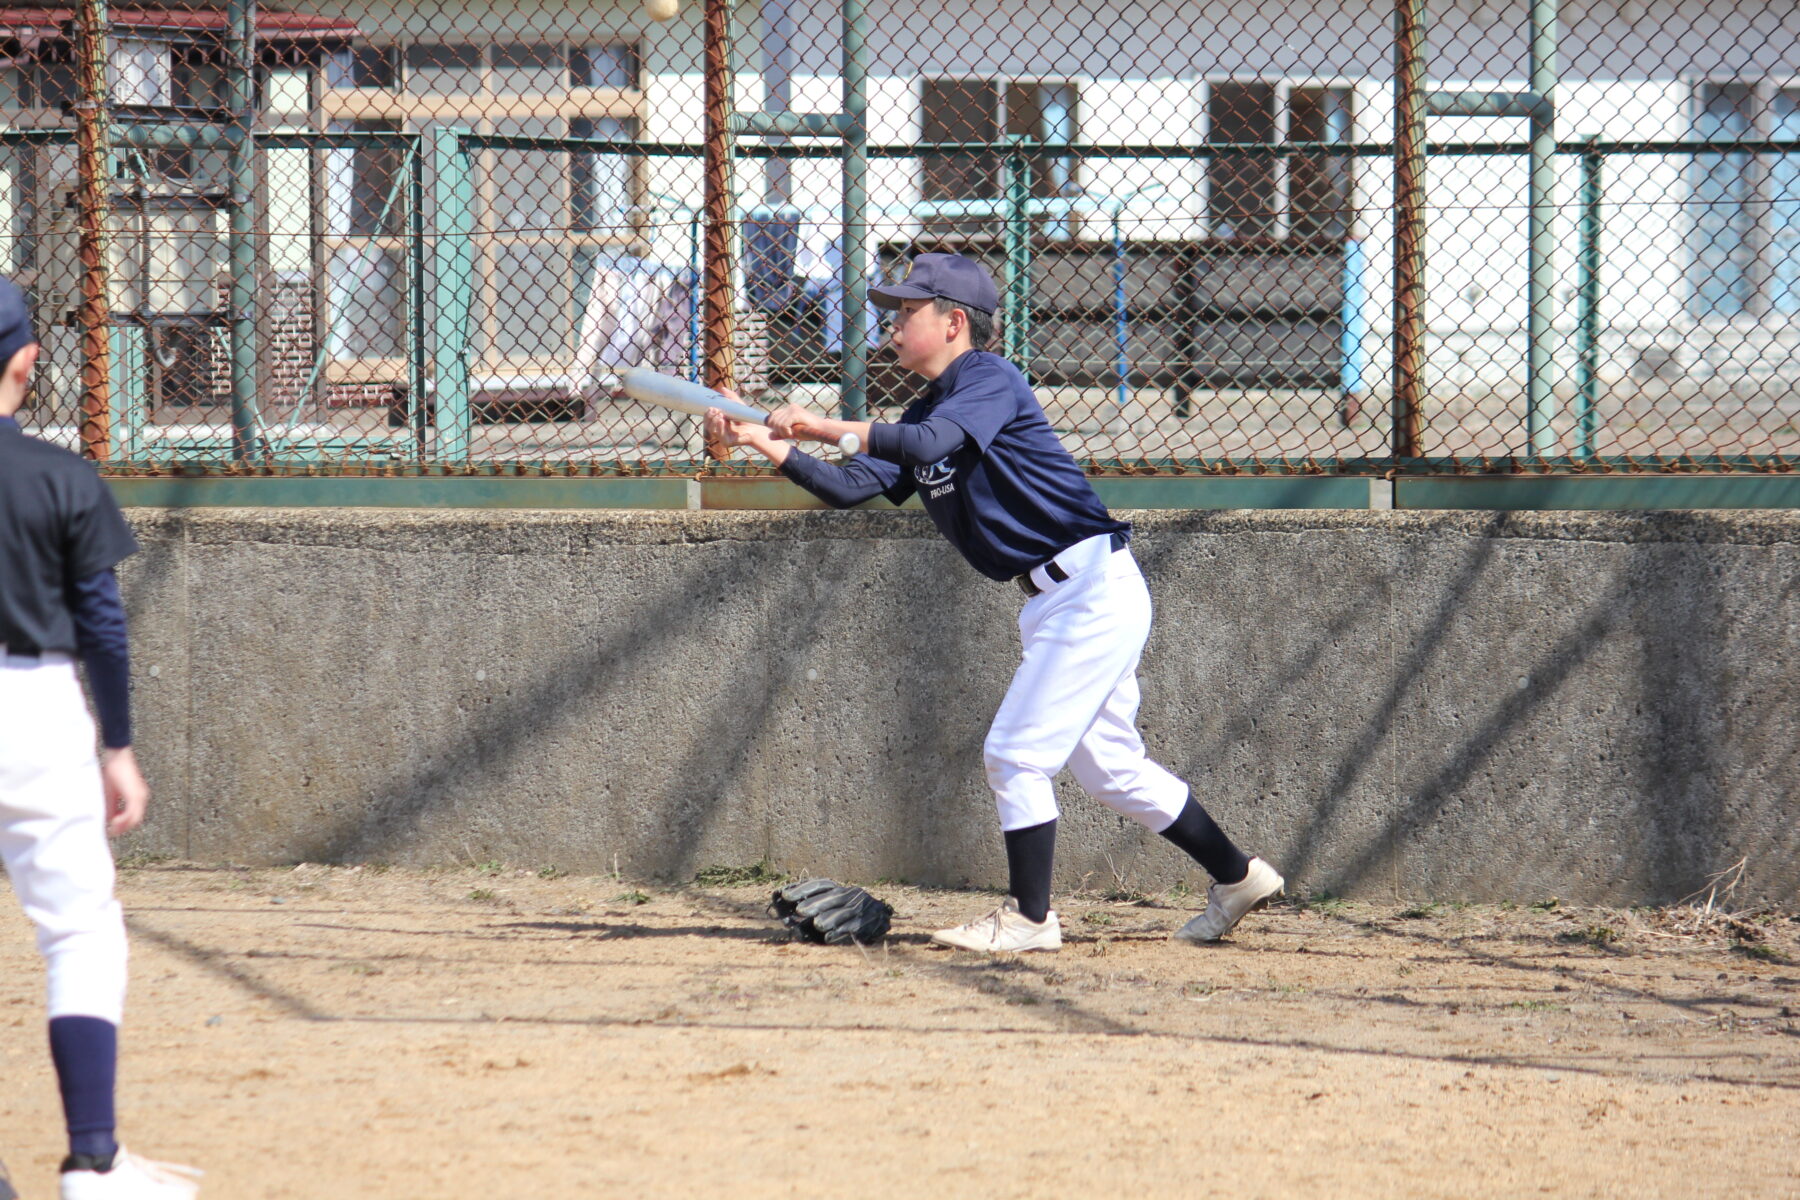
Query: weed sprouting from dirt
x=1121, y=891
x=1419, y=912
x=1323, y=903
x=747, y=876
x=632, y=897
x=1759, y=952
x=1598, y=936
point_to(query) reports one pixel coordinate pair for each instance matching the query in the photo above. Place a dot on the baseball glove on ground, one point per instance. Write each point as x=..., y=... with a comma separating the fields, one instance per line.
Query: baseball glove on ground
x=823, y=910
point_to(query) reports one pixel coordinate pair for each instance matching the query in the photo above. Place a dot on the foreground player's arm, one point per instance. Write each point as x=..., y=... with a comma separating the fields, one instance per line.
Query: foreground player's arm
x=839, y=485
x=99, y=614
x=911, y=444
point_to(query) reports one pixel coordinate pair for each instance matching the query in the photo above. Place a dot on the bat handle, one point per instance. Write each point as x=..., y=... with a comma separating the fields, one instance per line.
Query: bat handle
x=849, y=445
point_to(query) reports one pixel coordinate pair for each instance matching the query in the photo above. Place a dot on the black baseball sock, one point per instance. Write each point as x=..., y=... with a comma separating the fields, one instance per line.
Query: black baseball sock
x=1029, y=853
x=86, y=1053
x=1198, y=834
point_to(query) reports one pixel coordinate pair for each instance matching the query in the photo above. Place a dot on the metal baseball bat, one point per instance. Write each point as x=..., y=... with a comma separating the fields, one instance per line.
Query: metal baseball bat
x=653, y=387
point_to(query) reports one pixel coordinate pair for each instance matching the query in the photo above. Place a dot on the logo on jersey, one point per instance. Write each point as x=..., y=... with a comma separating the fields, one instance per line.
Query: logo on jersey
x=935, y=480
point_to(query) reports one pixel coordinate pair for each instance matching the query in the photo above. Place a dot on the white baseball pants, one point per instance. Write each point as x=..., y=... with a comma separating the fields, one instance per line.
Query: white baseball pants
x=53, y=835
x=1074, y=699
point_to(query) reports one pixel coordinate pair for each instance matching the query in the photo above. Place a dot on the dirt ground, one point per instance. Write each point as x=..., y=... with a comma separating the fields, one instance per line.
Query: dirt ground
x=488, y=1032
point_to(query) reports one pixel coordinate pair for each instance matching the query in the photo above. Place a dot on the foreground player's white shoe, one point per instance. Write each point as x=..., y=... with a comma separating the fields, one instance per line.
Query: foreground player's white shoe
x=1005, y=930
x=1229, y=903
x=132, y=1178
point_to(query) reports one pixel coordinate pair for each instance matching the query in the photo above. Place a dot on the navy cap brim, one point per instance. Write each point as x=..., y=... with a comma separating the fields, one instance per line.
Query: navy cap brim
x=889, y=295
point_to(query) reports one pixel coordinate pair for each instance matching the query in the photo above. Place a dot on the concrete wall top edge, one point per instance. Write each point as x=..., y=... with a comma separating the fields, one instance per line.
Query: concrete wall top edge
x=430, y=529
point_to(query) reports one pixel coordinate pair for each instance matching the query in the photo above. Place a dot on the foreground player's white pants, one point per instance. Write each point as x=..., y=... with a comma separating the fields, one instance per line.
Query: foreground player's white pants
x=53, y=836
x=1074, y=699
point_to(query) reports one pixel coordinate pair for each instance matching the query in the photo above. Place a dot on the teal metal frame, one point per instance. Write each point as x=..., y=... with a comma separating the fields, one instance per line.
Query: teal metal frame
x=851, y=129
x=454, y=263
x=240, y=85
x=1587, y=314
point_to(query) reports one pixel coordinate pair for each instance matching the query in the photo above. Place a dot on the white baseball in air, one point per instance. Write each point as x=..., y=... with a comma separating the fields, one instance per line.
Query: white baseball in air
x=849, y=444
x=661, y=10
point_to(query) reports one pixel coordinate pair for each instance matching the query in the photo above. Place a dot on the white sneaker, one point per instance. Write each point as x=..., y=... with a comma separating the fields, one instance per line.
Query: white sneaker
x=1005, y=930
x=132, y=1178
x=1229, y=903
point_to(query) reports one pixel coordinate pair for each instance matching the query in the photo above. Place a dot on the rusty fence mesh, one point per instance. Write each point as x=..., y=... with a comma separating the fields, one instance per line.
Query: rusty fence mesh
x=427, y=237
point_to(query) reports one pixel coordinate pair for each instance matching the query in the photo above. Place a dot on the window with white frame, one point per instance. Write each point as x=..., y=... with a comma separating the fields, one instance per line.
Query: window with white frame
x=1744, y=235
x=1259, y=194
x=986, y=110
x=543, y=217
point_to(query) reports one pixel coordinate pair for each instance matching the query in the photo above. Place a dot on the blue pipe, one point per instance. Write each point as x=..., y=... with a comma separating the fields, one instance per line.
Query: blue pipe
x=694, y=299
x=1354, y=319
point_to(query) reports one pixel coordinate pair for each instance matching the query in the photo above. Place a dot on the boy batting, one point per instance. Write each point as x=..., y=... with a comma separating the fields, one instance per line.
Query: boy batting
x=61, y=535
x=977, y=450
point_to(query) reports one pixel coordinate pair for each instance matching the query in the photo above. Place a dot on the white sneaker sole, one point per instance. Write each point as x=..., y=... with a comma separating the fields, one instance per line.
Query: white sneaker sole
x=1038, y=947
x=1182, y=935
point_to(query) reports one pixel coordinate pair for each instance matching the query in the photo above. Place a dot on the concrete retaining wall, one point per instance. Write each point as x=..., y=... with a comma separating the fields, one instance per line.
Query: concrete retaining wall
x=1438, y=705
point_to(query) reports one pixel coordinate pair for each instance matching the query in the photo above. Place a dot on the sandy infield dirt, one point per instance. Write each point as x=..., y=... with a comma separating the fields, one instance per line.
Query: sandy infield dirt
x=488, y=1032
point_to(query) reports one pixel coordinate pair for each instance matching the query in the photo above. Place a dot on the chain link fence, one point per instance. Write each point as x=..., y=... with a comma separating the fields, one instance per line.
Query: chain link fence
x=427, y=237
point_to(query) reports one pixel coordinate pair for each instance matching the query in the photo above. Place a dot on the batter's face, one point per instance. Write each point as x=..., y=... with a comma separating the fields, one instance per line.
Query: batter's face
x=925, y=340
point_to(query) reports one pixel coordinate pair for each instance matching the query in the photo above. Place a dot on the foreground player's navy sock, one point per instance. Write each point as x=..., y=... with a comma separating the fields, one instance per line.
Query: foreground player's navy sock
x=1029, y=853
x=1198, y=834
x=86, y=1053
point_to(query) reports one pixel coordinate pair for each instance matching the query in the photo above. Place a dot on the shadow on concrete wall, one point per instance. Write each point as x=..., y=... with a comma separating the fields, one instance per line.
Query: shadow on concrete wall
x=486, y=754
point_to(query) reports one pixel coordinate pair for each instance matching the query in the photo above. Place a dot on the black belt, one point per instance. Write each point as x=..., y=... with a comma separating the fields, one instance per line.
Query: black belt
x=1054, y=570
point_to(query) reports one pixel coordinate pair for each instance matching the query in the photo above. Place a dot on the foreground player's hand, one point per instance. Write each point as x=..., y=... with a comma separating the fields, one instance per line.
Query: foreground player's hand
x=721, y=430
x=722, y=433
x=127, y=795
x=792, y=422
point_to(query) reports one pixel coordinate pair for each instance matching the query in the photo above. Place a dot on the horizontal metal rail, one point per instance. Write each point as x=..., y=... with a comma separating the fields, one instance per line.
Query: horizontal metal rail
x=305, y=139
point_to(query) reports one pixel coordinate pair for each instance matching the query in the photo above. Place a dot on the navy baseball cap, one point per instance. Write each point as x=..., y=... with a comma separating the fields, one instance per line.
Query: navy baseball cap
x=15, y=321
x=942, y=276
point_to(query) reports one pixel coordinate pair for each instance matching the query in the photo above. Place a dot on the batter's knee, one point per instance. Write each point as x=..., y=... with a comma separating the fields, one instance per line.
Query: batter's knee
x=87, y=965
x=1004, y=762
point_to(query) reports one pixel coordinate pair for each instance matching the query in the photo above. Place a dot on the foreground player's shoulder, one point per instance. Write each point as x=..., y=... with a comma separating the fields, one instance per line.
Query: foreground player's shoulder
x=64, y=490
x=35, y=461
x=992, y=379
x=21, y=449
x=989, y=369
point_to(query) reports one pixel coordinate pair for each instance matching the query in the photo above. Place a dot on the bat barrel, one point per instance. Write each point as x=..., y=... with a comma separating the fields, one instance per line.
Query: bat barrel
x=653, y=387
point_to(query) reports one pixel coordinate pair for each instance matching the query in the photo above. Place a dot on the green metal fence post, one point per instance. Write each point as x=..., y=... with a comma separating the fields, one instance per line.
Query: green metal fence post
x=418, y=369
x=855, y=396
x=241, y=91
x=1587, y=360
x=130, y=373
x=1540, y=368
x=454, y=262
x=1018, y=255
